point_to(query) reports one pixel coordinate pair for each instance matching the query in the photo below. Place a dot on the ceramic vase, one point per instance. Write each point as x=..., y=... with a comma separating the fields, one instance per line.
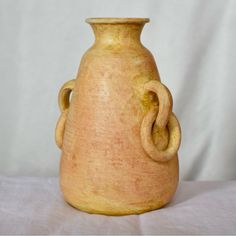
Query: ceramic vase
x=118, y=135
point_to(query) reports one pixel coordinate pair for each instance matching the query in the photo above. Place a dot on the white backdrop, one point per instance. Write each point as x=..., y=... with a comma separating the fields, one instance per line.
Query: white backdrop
x=194, y=43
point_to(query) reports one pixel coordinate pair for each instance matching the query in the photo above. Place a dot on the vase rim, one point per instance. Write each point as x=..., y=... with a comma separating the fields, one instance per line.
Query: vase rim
x=110, y=20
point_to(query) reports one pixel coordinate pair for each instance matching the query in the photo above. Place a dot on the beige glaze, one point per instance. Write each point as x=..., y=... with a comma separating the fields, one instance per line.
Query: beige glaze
x=118, y=135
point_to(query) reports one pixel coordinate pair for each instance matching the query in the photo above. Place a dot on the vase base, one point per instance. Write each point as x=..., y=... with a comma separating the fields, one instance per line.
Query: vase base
x=132, y=210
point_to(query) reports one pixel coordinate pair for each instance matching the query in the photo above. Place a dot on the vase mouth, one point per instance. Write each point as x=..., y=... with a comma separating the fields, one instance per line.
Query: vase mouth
x=109, y=20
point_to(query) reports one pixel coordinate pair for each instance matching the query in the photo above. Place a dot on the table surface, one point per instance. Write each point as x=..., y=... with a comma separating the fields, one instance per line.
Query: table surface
x=30, y=205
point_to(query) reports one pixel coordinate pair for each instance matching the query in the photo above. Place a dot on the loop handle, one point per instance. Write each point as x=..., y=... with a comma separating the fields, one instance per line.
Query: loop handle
x=64, y=103
x=164, y=118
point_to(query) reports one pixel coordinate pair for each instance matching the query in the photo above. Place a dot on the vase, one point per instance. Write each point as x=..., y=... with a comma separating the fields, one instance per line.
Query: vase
x=117, y=132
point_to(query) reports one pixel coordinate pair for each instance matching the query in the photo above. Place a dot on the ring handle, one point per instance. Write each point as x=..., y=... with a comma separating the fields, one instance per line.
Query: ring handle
x=162, y=117
x=64, y=103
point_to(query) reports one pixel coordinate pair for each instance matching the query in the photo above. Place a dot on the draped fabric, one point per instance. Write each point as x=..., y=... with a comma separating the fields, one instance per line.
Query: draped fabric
x=198, y=208
x=193, y=42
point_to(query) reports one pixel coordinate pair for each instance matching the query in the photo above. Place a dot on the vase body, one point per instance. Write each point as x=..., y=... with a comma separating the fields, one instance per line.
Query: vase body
x=105, y=167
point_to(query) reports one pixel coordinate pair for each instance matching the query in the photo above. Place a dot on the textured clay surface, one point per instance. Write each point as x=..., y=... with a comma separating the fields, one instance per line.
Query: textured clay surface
x=106, y=166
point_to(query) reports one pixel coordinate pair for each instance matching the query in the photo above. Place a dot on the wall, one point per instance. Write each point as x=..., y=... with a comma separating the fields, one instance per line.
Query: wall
x=42, y=42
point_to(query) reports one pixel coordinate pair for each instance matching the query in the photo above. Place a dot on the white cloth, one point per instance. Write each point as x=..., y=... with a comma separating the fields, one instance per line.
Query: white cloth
x=36, y=206
x=193, y=42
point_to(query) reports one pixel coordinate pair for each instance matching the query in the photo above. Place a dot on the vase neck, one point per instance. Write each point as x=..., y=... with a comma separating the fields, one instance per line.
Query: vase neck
x=117, y=31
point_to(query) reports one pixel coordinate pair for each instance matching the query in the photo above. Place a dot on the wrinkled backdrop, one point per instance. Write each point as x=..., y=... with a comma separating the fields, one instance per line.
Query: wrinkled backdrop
x=193, y=42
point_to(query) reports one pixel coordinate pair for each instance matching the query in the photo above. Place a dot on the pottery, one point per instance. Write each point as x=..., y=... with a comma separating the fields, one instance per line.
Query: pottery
x=118, y=135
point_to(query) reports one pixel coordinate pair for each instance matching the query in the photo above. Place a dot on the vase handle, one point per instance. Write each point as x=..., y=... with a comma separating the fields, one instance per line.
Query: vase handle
x=64, y=103
x=162, y=117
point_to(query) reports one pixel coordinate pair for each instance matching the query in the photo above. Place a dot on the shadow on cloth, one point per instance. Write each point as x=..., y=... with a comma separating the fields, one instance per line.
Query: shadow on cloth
x=188, y=190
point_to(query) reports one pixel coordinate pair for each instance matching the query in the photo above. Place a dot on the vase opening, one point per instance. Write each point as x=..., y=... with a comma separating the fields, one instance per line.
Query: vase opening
x=117, y=31
x=110, y=20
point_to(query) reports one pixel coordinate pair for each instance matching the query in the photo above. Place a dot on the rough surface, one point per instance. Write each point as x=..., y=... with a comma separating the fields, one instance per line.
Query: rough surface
x=105, y=168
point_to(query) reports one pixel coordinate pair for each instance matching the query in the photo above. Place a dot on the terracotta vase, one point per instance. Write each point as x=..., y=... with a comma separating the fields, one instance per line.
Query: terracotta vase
x=118, y=134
